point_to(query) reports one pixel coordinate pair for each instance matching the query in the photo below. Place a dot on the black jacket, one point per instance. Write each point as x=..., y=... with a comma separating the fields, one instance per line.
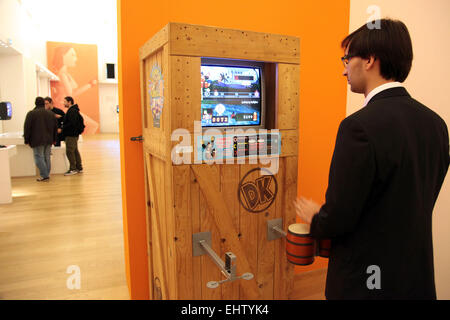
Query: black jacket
x=60, y=113
x=40, y=127
x=388, y=166
x=70, y=122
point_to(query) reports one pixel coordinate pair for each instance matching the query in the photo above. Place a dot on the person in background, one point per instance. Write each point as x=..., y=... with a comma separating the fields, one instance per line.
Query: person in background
x=71, y=133
x=59, y=115
x=40, y=130
x=388, y=166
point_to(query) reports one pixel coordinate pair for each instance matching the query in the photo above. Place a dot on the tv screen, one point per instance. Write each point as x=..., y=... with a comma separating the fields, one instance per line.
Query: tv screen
x=5, y=110
x=231, y=95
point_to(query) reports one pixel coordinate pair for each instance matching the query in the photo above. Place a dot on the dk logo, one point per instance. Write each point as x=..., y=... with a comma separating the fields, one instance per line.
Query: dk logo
x=257, y=195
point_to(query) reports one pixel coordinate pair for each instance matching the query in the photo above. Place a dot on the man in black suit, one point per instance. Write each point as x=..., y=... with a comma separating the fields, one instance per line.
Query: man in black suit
x=388, y=166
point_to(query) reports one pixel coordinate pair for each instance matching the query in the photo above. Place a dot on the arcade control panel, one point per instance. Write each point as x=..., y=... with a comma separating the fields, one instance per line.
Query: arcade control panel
x=236, y=146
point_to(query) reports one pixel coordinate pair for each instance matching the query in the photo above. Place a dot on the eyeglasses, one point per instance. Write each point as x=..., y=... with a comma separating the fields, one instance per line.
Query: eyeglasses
x=345, y=59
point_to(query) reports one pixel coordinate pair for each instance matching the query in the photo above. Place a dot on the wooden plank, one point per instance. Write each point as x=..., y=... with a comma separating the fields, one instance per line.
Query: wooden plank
x=249, y=231
x=266, y=249
x=149, y=225
x=229, y=182
x=158, y=239
x=166, y=112
x=183, y=231
x=186, y=98
x=206, y=41
x=208, y=179
x=172, y=263
x=143, y=75
x=154, y=144
x=281, y=262
x=289, y=143
x=288, y=96
x=284, y=271
x=197, y=286
x=155, y=42
x=210, y=272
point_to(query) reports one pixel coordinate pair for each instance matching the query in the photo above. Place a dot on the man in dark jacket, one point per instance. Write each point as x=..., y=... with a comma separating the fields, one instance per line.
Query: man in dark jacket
x=71, y=131
x=388, y=166
x=59, y=115
x=40, y=130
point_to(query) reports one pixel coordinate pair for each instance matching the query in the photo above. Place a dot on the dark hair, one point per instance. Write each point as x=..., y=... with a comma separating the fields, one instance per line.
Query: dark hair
x=48, y=99
x=69, y=99
x=39, y=102
x=390, y=44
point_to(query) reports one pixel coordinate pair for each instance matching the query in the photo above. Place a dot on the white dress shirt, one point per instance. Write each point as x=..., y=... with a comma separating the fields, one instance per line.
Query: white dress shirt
x=378, y=89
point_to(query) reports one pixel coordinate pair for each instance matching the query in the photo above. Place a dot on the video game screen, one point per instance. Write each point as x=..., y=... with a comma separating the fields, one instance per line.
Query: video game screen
x=231, y=96
x=5, y=110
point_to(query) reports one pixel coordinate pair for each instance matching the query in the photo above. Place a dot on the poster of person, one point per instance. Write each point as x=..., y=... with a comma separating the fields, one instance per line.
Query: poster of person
x=76, y=66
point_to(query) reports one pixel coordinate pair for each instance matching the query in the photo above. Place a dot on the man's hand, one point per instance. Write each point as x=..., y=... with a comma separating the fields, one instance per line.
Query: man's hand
x=306, y=209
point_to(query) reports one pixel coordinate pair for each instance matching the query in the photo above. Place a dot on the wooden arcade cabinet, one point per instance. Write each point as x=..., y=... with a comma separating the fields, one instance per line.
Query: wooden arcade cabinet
x=220, y=148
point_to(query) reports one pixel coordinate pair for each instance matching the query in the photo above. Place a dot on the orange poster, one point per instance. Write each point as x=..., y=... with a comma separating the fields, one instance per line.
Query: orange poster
x=77, y=70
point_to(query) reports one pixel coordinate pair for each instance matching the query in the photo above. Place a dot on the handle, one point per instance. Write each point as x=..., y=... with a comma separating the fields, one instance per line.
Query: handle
x=140, y=138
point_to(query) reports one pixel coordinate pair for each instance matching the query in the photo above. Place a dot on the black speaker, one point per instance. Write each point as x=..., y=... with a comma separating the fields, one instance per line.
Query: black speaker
x=5, y=110
x=110, y=71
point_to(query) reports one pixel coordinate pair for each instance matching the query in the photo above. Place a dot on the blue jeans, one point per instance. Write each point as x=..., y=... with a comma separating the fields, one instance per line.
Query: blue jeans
x=42, y=159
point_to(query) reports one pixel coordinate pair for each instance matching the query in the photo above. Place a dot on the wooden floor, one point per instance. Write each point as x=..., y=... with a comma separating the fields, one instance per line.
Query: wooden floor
x=75, y=220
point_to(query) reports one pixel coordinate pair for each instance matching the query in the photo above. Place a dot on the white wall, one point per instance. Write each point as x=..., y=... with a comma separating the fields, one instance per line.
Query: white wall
x=79, y=21
x=30, y=24
x=429, y=26
x=44, y=87
x=109, y=99
x=18, y=82
x=12, y=88
x=26, y=36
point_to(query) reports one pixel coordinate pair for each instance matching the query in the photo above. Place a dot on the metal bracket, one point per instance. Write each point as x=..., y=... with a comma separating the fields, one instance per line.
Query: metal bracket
x=275, y=229
x=201, y=245
x=197, y=248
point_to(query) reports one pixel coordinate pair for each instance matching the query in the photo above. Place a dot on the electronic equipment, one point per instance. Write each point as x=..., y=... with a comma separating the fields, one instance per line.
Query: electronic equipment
x=232, y=93
x=5, y=110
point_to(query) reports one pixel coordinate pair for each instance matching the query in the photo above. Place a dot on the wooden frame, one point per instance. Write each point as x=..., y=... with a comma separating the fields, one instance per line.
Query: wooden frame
x=184, y=199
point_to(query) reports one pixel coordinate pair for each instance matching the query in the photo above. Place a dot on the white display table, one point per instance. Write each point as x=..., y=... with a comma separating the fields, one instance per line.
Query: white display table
x=22, y=164
x=5, y=174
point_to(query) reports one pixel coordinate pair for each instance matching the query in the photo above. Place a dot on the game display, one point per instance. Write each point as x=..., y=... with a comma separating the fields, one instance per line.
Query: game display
x=5, y=110
x=231, y=96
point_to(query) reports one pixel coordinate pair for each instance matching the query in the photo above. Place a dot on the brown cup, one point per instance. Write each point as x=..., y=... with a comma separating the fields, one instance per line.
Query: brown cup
x=324, y=247
x=300, y=247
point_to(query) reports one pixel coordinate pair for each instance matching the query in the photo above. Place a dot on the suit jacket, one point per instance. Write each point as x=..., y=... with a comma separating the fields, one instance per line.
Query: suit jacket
x=40, y=127
x=388, y=166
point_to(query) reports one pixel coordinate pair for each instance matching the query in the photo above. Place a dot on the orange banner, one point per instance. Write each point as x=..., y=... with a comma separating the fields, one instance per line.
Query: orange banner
x=76, y=65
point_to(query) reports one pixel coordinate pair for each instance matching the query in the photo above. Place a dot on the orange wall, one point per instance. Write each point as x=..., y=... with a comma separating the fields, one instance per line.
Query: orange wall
x=320, y=25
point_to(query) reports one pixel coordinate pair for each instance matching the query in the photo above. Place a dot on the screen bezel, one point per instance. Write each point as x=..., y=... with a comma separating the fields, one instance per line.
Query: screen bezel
x=239, y=63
